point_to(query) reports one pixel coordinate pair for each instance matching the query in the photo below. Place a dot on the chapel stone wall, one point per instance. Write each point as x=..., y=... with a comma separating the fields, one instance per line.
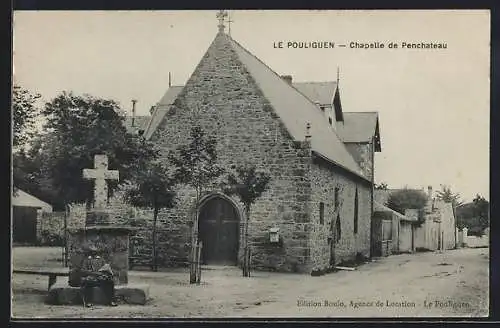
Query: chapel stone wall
x=324, y=181
x=223, y=98
x=363, y=155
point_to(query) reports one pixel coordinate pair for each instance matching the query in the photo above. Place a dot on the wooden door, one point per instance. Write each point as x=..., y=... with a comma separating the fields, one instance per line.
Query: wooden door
x=24, y=225
x=219, y=232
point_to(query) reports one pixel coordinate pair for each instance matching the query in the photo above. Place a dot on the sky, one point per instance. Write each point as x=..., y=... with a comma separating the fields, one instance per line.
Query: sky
x=433, y=104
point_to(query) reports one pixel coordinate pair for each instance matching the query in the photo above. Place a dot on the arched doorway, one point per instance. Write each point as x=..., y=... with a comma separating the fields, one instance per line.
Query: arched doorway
x=218, y=229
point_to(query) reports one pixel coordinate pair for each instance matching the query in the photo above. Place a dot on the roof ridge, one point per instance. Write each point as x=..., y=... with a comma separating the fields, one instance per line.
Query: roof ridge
x=278, y=75
x=291, y=86
x=146, y=130
x=388, y=208
x=363, y=112
x=138, y=116
x=315, y=82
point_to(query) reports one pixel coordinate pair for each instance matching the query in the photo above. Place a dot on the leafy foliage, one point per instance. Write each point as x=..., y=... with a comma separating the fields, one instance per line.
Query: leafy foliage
x=151, y=186
x=196, y=162
x=381, y=186
x=249, y=184
x=403, y=199
x=77, y=128
x=474, y=215
x=24, y=113
x=51, y=239
x=446, y=195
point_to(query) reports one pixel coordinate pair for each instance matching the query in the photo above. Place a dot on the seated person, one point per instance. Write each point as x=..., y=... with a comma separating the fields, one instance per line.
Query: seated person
x=94, y=272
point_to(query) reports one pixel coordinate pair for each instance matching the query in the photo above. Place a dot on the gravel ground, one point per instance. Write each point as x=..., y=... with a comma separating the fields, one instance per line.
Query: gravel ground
x=449, y=284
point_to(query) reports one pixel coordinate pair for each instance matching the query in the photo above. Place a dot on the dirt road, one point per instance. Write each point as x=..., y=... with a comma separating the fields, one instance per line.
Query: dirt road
x=449, y=284
x=452, y=283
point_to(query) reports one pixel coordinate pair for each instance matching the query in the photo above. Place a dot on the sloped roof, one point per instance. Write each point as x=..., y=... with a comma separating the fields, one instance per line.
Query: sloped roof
x=358, y=126
x=382, y=195
x=377, y=207
x=353, y=126
x=296, y=110
x=321, y=92
x=140, y=123
x=161, y=109
x=23, y=199
x=170, y=96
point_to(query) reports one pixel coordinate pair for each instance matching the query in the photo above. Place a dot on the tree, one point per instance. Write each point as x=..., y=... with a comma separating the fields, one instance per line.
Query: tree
x=248, y=184
x=474, y=215
x=196, y=165
x=482, y=212
x=446, y=195
x=381, y=186
x=151, y=186
x=404, y=199
x=24, y=114
x=77, y=128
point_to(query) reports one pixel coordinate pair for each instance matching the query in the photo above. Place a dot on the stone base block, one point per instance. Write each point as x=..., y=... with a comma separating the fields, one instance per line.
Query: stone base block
x=62, y=294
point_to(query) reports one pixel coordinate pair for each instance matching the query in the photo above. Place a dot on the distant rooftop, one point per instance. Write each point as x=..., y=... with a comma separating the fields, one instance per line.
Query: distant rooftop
x=140, y=123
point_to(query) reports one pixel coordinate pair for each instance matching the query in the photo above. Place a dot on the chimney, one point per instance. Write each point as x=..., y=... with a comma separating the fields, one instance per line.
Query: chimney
x=151, y=110
x=429, y=192
x=133, y=111
x=308, y=131
x=287, y=78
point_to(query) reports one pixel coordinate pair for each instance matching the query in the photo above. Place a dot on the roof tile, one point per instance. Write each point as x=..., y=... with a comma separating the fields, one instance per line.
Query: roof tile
x=296, y=110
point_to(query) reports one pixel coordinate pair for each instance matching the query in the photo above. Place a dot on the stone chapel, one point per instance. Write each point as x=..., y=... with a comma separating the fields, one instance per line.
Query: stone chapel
x=319, y=202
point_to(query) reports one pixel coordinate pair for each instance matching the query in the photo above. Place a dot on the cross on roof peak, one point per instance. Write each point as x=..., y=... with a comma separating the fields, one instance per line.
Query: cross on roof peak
x=221, y=16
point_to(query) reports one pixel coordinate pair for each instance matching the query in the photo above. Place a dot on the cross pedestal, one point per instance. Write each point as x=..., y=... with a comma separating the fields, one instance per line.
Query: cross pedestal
x=112, y=243
x=111, y=240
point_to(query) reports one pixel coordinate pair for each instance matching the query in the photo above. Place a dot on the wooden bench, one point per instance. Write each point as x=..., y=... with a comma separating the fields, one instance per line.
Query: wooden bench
x=53, y=273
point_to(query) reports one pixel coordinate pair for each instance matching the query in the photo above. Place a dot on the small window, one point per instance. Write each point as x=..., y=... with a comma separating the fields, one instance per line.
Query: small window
x=356, y=211
x=321, y=213
x=336, y=198
x=330, y=120
x=322, y=108
x=338, y=229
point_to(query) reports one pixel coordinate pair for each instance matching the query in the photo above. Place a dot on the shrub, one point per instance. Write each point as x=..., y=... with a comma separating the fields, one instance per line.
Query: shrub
x=404, y=199
x=51, y=239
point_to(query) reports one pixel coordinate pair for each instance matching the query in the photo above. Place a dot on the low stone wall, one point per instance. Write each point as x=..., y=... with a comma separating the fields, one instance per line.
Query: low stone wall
x=77, y=215
x=50, y=228
x=474, y=241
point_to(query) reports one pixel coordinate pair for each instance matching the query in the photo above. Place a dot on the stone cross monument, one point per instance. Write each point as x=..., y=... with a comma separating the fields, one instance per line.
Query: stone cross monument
x=100, y=174
x=100, y=215
x=101, y=230
x=110, y=239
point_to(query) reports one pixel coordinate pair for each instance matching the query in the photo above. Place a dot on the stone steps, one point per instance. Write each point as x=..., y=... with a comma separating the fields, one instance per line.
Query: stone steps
x=63, y=294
